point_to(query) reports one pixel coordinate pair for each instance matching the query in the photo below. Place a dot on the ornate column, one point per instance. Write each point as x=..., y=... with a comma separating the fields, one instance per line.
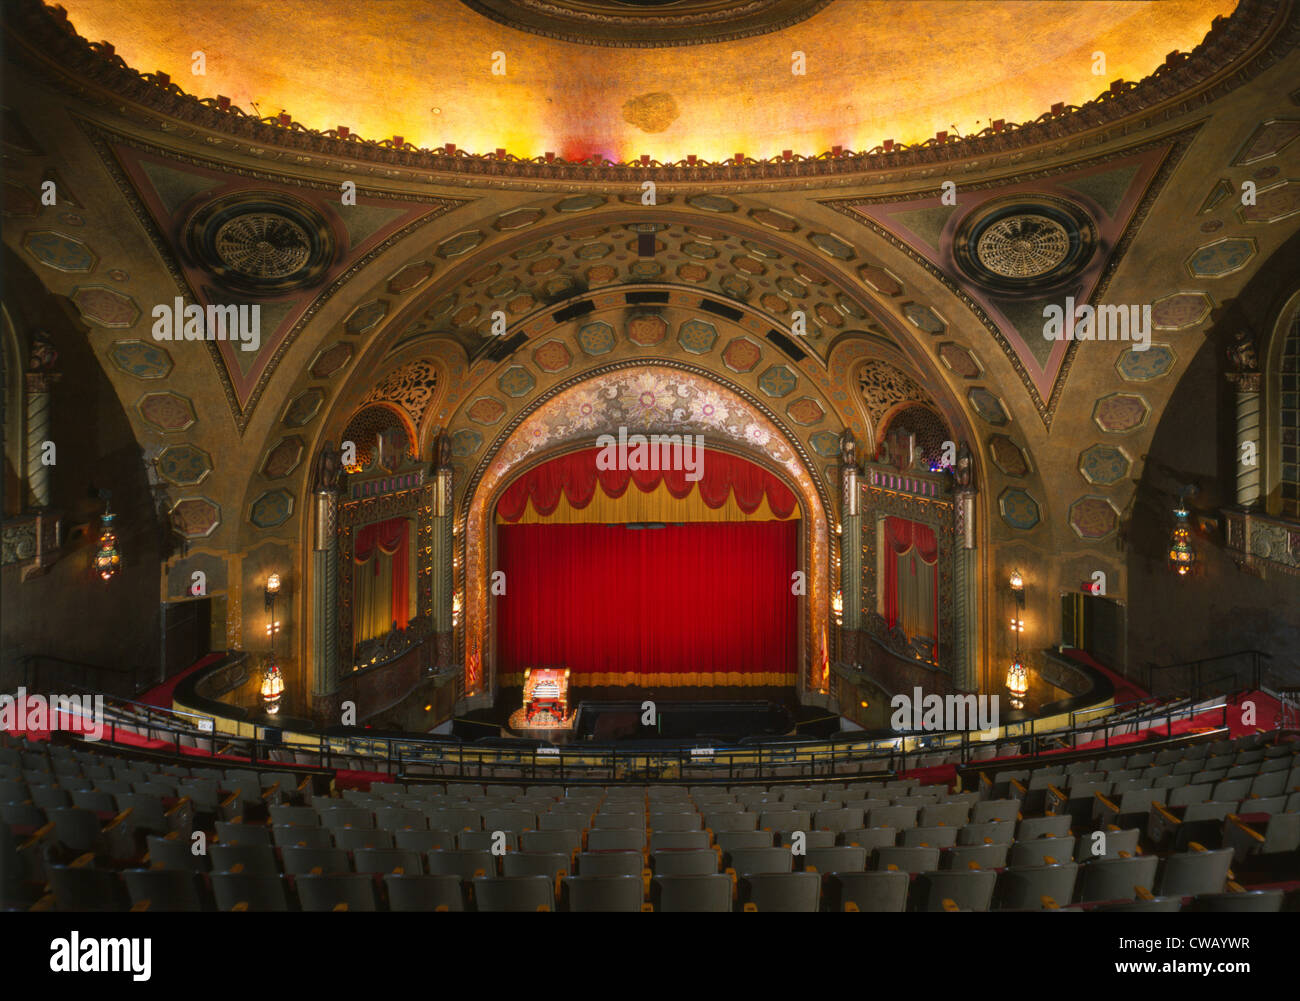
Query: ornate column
x=41, y=378
x=1243, y=373
x=850, y=582
x=444, y=626
x=965, y=675
x=326, y=672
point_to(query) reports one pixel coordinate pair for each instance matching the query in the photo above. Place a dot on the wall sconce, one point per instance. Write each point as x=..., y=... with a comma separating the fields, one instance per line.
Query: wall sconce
x=1017, y=676
x=1017, y=625
x=1017, y=582
x=1182, y=557
x=455, y=610
x=108, y=560
x=837, y=606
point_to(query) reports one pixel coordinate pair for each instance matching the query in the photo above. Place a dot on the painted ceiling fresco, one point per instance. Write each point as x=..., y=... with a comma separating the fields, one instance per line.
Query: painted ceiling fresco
x=873, y=70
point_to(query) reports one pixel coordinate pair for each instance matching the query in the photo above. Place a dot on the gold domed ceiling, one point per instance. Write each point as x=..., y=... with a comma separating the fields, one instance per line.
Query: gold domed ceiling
x=850, y=73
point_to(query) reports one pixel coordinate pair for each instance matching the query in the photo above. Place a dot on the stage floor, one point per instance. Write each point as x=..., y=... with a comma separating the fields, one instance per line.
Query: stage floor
x=810, y=720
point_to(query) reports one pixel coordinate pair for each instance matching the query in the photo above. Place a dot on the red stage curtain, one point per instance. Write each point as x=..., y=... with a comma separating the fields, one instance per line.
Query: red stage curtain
x=704, y=597
x=392, y=539
x=576, y=477
x=911, y=549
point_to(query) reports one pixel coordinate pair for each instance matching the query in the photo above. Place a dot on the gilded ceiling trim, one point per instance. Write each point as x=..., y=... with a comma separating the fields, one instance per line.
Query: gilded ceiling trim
x=1236, y=49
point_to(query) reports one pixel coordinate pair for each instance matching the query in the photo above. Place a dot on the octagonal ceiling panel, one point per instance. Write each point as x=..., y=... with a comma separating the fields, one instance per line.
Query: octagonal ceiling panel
x=741, y=354
x=1104, y=464
x=195, y=517
x=1018, y=508
x=1120, y=413
x=142, y=359
x=169, y=412
x=1093, y=518
x=105, y=307
x=271, y=508
x=283, y=458
x=184, y=465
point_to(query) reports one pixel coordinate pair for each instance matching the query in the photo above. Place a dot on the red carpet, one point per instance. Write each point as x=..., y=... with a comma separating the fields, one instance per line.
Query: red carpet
x=161, y=695
x=1125, y=690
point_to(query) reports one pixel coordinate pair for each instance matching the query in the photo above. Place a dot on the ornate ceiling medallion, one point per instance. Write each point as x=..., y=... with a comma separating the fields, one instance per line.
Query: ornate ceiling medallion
x=1025, y=246
x=262, y=243
x=647, y=24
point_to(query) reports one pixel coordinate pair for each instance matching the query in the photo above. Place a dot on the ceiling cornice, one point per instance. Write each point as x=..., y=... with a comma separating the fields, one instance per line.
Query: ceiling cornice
x=1236, y=49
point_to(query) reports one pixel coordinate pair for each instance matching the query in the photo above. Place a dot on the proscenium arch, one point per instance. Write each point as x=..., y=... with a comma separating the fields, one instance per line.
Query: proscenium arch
x=1270, y=490
x=496, y=470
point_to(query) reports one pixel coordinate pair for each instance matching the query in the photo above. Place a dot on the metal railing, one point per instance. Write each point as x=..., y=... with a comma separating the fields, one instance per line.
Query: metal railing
x=1227, y=672
x=872, y=756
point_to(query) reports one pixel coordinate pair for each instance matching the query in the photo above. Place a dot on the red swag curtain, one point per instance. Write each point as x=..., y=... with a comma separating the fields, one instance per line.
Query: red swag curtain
x=690, y=598
x=911, y=591
x=576, y=477
x=390, y=538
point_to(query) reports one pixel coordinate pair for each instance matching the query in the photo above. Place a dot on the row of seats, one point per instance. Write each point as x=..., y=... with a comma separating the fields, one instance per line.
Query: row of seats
x=101, y=817
x=1102, y=886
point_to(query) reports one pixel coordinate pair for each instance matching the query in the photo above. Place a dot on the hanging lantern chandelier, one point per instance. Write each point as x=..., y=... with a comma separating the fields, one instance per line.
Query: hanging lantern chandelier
x=1182, y=557
x=108, y=560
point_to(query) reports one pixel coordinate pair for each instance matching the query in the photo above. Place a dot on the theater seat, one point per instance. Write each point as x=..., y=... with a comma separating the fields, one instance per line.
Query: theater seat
x=883, y=892
x=1118, y=878
x=1190, y=873
x=603, y=893
x=424, y=893
x=1037, y=887
x=692, y=893
x=248, y=891
x=969, y=890
x=514, y=893
x=781, y=892
x=335, y=892
x=163, y=889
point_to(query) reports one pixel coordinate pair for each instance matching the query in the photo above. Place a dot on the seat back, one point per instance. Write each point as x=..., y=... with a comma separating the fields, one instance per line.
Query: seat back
x=685, y=862
x=610, y=863
x=1024, y=888
x=747, y=861
x=1041, y=851
x=910, y=860
x=386, y=860
x=301, y=861
x=971, y=890
x=514, y=893
x=881, y=892
x=692, y=893
x=533, y=863
x=163, y=889
x=350, y=891
x=843, y=858
x=781, y=891
x=603, y=893
x=249, y=891
x=1186, y=874
x=1117, y=878
x=424, y=893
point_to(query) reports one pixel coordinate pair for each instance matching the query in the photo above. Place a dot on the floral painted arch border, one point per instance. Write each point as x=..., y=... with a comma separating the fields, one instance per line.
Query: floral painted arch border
x=647, y=398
